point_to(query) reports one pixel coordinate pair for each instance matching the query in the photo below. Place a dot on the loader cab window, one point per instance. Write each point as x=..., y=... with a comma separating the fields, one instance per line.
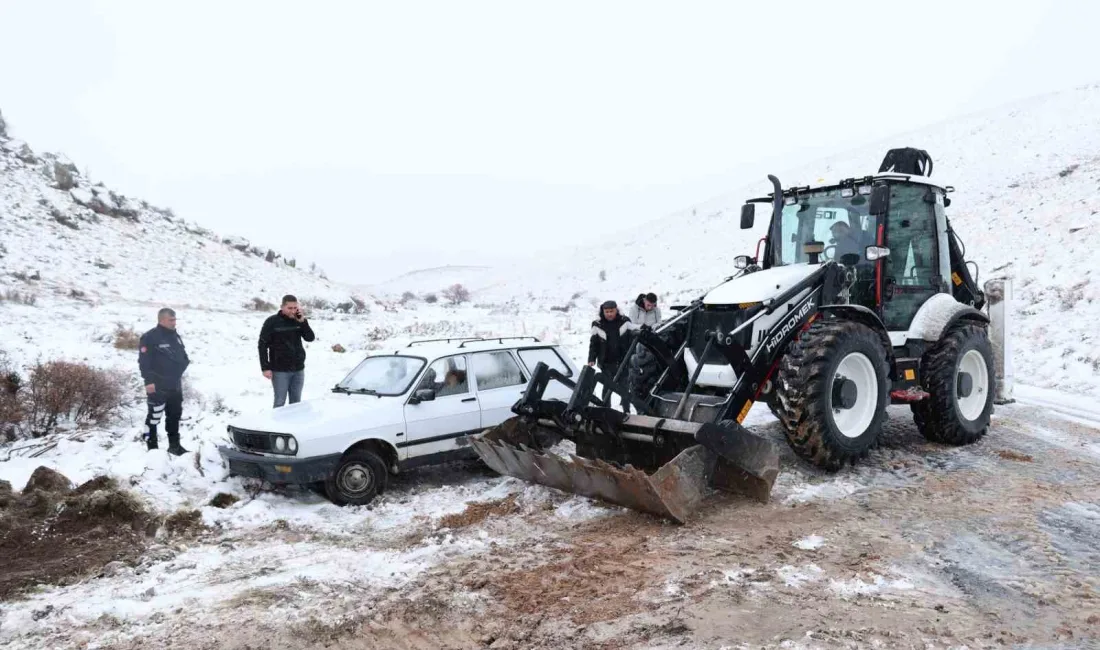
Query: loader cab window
x=841, y=223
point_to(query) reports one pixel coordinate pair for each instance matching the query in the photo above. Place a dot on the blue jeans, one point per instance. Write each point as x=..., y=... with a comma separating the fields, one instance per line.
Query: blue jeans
x=288, y=382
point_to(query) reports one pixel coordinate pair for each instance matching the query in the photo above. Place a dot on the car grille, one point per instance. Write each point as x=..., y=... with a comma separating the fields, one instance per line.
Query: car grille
x=706, y=321
x=251, y=440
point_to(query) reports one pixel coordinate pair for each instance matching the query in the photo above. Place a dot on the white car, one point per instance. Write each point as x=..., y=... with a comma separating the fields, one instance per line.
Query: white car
x=394, y=411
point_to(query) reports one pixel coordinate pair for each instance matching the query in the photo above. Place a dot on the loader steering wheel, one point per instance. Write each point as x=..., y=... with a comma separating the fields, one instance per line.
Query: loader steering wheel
x=826, y=254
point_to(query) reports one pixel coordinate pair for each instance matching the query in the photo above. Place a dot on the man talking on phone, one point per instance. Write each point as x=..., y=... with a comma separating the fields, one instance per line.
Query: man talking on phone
x=282, y=356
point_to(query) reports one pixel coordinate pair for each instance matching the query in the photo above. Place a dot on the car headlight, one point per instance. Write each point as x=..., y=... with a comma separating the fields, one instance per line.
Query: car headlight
x=292, y=445
x=280, y=443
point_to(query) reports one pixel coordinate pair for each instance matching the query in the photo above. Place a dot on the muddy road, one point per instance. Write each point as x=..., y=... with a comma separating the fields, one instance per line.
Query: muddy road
x=921, y=546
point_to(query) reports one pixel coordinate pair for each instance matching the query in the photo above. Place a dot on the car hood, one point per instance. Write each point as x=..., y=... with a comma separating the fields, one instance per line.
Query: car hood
x=326, y=415
x=759, y=286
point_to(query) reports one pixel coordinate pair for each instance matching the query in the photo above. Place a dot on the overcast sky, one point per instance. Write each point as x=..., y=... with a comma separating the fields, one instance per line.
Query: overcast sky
x=381, y=137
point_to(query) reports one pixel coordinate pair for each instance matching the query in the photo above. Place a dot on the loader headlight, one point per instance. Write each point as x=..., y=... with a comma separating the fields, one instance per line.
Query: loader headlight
x=292, y=445
x=873, y=253
x=865, y=190
x=280, y=443
x=847, y=192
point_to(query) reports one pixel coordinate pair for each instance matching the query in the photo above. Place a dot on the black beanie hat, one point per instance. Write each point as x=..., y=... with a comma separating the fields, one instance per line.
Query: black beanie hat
x=610, y=304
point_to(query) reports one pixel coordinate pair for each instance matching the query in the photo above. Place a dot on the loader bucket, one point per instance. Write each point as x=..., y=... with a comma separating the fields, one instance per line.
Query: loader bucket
x=673, y=491
x=726, y=456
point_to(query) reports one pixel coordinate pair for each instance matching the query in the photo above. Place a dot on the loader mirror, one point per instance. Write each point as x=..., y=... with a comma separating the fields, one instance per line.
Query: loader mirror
x=874, y=253
x=880, y=200
x=748, y=216
x=423, y=395
x=742, y=262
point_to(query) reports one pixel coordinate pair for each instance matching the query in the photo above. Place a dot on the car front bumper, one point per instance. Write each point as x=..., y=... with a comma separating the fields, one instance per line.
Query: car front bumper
x=279, y=469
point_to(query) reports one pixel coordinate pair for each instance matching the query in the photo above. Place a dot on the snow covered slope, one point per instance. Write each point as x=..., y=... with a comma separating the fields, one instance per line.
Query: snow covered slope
x=85, y=240
x=434, y=280
x=1026, y=206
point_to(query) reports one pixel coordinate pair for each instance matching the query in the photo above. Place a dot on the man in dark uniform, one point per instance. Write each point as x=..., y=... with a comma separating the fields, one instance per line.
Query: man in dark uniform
x=609, y=342
x=162, y=360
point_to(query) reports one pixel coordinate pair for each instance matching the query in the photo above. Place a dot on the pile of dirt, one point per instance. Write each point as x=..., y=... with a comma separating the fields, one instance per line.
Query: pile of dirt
x=477, y=512
x=185, y=523
x=53, y=534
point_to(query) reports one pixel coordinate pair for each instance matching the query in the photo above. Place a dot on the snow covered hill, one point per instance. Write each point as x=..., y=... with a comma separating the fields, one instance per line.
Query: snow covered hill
x=63, y=235
x=1026, y=206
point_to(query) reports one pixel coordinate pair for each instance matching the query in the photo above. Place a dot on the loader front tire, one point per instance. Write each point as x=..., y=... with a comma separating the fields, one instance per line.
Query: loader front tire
x=958, y=375
x=832, y=392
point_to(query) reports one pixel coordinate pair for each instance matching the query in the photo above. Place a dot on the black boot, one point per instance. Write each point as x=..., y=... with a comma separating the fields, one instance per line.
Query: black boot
x=174, y=446
x=150, y=439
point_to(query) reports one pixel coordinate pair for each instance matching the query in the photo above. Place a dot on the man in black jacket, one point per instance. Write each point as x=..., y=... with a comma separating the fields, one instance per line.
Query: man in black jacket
x=609, y=342
x=162, y=360
x=282, y=356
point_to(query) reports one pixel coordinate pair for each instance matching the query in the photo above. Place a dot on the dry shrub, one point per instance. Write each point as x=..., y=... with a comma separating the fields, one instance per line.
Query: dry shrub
x=317, y=304
x=456, y=294
x=431, y=298
x=18, y=298
x=408, y=296
x=126, y=338
x=259, y=304
x=11, y=405
x=62, y=391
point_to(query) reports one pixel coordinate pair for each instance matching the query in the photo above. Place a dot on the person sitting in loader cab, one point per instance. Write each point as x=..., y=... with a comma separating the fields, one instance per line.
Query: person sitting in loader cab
x=847, y=240
x=609, y=342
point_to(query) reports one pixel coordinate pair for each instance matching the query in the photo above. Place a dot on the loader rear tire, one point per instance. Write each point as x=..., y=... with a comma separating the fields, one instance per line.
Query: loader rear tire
x=646, y=368
x=948, y=416
x=832, y=392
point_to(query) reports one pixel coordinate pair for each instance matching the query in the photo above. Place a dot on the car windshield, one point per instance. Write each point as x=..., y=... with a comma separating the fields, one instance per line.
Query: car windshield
x=841, y=223
x=388, y=375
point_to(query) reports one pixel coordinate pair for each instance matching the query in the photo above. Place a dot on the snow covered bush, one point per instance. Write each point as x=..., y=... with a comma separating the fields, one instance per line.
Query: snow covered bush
x=456, y=294
x=11, y=295
x=61, y=392
x=408, y=296
x=431, y=298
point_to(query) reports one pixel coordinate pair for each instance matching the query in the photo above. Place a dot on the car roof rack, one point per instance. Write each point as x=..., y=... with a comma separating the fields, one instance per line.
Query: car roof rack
x=499, y=339
x=448, y=340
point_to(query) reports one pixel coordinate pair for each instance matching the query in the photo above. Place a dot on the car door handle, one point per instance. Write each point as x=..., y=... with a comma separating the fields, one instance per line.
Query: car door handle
x=470, y=399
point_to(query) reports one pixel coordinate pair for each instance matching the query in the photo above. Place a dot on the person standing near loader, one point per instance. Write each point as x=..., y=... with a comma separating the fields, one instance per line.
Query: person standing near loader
x=282, y=355
x=645, y=311
x=609, y=343
x=162, y=359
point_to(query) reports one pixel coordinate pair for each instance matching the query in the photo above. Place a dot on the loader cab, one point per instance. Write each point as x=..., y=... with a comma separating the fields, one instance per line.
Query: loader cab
x=889, y=230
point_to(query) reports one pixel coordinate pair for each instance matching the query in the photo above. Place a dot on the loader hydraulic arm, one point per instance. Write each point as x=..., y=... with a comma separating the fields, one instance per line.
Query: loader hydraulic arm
x=964, y=287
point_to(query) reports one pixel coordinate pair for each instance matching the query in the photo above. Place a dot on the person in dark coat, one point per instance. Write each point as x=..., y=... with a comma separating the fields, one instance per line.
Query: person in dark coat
x=162, y=359
x=282, y=355
x=609, y=342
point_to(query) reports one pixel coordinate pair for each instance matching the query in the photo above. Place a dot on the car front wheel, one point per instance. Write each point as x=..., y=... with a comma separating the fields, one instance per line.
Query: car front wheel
x=358, y=478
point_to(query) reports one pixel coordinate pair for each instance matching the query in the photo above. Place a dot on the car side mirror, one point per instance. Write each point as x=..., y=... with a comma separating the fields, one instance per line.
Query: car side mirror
x=423, y=395
x=748, y=216
x=880, y=200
